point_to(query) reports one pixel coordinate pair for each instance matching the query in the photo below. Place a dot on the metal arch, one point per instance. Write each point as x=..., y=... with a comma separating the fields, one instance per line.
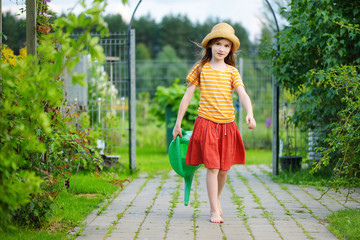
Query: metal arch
x=275, y=112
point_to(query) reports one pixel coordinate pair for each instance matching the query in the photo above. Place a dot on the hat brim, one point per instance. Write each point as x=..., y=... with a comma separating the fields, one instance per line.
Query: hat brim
x=222, y=34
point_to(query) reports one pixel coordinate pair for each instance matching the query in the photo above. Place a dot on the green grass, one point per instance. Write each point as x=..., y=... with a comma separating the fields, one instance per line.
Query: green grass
x=87, y=183
x=345, y=224
x=303, y=177
x=153, y=160
x=258, y=156
x=25, y=234
x=70, y=210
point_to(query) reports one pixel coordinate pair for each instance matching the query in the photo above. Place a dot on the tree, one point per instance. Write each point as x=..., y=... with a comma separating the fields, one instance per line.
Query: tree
x=142, y=52
x=147, y=32
x=15, y=32
x=176, y=31
x=115, y=23
x=175, y=68
x=144, y=68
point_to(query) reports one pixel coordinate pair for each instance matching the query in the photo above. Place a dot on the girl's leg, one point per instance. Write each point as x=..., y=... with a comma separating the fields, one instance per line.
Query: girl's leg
x=222, y=176
x=212, y=189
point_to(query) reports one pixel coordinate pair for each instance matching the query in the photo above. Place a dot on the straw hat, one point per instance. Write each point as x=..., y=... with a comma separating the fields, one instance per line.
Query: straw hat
x=222, y=30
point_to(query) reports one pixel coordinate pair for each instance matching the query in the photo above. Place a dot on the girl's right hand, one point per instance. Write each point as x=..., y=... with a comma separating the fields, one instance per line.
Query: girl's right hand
x=176, y=131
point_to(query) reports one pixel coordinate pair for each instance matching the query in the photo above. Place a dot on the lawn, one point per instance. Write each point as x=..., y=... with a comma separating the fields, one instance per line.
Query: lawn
x=71, y=208
x=345, y=224
x=152, y=160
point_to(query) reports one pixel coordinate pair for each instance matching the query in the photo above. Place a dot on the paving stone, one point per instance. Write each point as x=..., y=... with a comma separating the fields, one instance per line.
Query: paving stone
x=294, y=212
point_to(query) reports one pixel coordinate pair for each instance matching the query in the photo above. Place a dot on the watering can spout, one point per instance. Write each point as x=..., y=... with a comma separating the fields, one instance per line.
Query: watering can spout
x=188, y=183
x=177, y=156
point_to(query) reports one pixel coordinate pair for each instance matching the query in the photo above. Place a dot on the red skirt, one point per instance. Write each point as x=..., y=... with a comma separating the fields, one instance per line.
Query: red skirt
x=216, y=145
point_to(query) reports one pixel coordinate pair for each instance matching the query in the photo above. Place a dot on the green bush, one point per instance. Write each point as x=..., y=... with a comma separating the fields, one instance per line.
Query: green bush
x=170, y=98
x=344, y=138
x=316, y=39
x=37, y=144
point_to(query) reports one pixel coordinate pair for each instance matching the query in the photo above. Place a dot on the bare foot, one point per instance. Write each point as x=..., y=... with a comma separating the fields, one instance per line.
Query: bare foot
x=216, y=218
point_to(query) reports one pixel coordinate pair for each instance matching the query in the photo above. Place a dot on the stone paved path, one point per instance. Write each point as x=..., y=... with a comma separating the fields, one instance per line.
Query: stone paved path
x=254, y=208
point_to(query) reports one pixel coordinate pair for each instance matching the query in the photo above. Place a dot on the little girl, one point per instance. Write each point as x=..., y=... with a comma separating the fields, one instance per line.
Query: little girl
x=216, y=141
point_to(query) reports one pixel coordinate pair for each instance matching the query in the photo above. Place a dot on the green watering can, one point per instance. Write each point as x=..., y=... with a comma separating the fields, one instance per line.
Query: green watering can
x=177, y=156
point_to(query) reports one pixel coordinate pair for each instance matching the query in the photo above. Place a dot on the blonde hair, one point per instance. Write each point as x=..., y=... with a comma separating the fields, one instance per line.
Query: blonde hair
x=207, y=55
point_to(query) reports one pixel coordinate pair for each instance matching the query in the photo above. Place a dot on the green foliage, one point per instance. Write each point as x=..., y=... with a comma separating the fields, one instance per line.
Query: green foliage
x=314, y=40
x=304, y=177
x=70, y=209
x=322, y=36
x=149, y=131
x=344, y=139
x=142, y=52
x=175, y=30
x=14, y=30
x=37, y=144
x=177, y=68
x=170, y=98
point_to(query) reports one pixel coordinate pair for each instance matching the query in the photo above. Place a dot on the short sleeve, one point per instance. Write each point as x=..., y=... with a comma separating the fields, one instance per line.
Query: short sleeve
x=236, y=79
x=193, y=75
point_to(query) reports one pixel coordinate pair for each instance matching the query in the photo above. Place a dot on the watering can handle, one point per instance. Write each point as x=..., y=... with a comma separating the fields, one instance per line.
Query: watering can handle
x=178, y=149
x=178, y=152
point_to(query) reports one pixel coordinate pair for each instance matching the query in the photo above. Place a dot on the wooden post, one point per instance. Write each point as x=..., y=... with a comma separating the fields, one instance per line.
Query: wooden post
x=31, y=27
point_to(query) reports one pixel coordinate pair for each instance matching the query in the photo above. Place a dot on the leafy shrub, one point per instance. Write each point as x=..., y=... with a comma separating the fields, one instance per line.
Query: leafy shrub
x=170, y=98
x=316, y=39
x=38, y=145
x=343, y=153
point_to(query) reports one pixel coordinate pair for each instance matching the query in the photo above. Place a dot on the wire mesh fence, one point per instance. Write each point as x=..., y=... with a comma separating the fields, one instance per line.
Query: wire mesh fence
x=104, y=100
x=258, y=83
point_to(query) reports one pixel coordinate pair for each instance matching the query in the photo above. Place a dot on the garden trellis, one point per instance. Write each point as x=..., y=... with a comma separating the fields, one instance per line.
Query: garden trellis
x=105, y=98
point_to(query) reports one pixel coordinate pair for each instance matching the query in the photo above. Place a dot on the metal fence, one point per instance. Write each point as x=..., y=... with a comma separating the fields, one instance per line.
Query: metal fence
x=107, y=100
x=258, y=83
x=104, y=101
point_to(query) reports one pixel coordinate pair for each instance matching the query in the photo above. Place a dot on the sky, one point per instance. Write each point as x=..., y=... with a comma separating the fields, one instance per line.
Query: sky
x=247, y=12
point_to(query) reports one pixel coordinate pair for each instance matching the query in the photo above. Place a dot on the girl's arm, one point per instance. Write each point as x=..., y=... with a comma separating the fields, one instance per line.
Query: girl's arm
x=182, y=109
x=246, y=102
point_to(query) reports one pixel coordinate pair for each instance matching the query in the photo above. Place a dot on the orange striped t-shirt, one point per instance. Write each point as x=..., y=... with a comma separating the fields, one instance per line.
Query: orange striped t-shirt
x=216, y=88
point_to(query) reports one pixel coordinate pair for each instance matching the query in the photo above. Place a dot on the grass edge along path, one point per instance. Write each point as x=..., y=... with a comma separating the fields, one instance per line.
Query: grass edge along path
x=148, y=209
x=102, y=207
x=173, y=204
x=77, y=230
x=120, y=215
x=195, y=203
x=240, y=207
x=341, y=229
x=287, y=211
x=258, y=201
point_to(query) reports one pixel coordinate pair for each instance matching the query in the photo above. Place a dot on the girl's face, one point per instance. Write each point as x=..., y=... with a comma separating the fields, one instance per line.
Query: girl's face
x=220, y=49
